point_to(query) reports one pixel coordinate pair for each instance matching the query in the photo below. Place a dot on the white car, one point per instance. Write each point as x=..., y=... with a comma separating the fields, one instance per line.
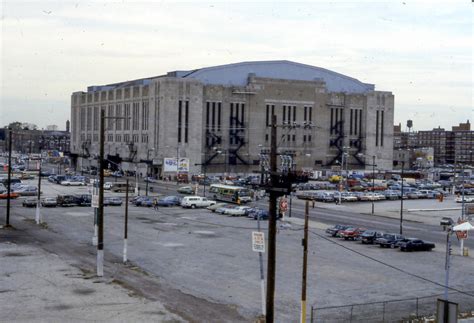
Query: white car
x=72, y=183
x=196, y=201
x=237, y=211
x=108, y=185
x=466, y=199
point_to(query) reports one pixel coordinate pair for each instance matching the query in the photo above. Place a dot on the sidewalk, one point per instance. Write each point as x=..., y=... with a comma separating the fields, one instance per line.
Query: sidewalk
x=37, y=286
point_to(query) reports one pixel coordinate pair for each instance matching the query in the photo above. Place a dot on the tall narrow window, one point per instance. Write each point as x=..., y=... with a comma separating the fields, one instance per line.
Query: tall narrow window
x=213, y=116
x=96, y=118
x=294, y=114
x=360, y=121
x=118, y=113
x=289, y=114
x=236, y=119
x=219, y=110
x=332, y=120
x=242, y=113
x=186, y=121
x=355, y=121
x=305, y=116
x=273, y=111
x=110, y=121
x=377, y=128
x=381, y=126
x=284, y=114
x=310, y=114
x=145, y=113
x=350, y=122
x=127, y=117
x=89, y=118
x=180, y=114
x=207, y=115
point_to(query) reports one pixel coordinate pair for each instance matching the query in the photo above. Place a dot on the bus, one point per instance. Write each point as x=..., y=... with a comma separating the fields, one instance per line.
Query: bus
x=229, y=193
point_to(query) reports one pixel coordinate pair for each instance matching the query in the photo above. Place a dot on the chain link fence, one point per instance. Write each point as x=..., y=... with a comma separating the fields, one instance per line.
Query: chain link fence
x=401, y=310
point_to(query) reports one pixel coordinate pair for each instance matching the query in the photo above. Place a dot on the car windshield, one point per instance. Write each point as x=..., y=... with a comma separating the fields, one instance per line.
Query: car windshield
x=389, y=236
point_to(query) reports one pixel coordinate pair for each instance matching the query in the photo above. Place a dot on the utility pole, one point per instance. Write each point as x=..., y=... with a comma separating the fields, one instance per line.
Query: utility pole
x=461, y=242
x=401, y=202
x=38, y=203
x=305, y=264
x=10, y=134
x=447, y=264
x=125, y=236
x=262, y=276
x=272, y=207
x=100, y=211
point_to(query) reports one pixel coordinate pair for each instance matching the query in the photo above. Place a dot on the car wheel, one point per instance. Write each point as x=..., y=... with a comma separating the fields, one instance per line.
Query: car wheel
x=392, y=246
x=193, y=206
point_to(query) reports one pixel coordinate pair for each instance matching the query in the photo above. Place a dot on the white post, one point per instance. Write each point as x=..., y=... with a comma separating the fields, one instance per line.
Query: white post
x=38, y=215
x=136, y=180
x=125, y=250
x=94, y=238
x=100, y=263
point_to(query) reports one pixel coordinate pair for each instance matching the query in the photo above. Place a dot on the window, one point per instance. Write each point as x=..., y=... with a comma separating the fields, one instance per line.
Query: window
x=110, y=138
x=118, y=113
x=377, y=128
x=118, y=138
x=186, y=120
x=126, y=123
x=83, y=118
x=95, y=138
x=110, y=121
x=135, y=138
x=126, y=138
x=135, y=116
x=145, y=113
x=381, y=127
x=89, y=118
x=145, y=138
x=96, y=118
x=284, y=114
x=180, y=106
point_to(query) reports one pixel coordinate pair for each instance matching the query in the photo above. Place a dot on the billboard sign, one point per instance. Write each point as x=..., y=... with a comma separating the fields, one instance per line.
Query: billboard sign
x=175, y=165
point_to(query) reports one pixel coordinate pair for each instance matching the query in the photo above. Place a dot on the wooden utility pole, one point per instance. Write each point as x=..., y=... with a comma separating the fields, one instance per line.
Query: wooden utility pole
x=38, y=203
x=100, y=211
x=305, y=264
x=10, y=134
x=272, y=207
x=125, y=236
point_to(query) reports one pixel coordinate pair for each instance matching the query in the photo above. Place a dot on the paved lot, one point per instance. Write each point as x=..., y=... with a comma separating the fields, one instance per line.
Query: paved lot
x=209, y=256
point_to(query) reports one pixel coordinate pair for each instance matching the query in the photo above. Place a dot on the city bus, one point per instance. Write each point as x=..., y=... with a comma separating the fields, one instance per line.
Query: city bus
x=229, y=193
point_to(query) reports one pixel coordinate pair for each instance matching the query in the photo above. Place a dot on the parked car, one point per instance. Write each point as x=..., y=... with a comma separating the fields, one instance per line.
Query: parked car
x=348, y=197
x=237, y=211
x=416, y=245
x=108, y=185
x=84, y=199
x=30, y=202
x=388, y=240
x=49, y=202
x=196, y=201
x=186, y=190
x=223, y=209
x=144, y=201
x=68, y=200
x=369, y=236
x=335, y=229
x=27, y=191
x=446, y=221
x=169, y=201
x=351, y=233
x=467, y=199
x=214, y=207
x=71, y=182
x=112, y=201
x=257, y=213
x=13, y=195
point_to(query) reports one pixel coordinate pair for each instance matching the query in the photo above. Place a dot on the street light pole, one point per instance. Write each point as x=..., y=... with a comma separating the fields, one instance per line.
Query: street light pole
x=373, y=182
x=401, y=202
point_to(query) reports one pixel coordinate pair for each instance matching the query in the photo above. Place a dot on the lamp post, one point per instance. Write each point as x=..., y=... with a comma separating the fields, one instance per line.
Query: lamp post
x=401, y=201
x=147, y=163
x=373, y=182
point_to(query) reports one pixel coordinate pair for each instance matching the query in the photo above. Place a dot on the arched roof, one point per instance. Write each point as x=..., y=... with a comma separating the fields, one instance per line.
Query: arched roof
x=237, y=74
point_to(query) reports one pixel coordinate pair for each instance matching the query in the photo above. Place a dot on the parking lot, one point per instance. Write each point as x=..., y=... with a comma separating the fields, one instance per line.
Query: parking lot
x=210, y=256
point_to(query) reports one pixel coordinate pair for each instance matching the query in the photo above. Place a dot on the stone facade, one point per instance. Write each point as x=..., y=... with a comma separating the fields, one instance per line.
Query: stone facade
x=222, y=128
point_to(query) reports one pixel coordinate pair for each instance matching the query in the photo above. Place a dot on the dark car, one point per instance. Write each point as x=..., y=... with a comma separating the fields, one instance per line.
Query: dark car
x=84, y=199
x=169, y=201
x=257, y=213
x=68, y=200
x=369, y=236
x=389, y=240
x=446, y=221
x=30, y=202
x=351, y=233
x=416, y=245
x=335, y=229
x=144, y=201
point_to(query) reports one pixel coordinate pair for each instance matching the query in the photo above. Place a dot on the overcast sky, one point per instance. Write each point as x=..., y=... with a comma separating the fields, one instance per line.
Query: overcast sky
x=421, y=51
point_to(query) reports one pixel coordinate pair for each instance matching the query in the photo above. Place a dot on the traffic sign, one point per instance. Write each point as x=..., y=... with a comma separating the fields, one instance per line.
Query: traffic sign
x=258, y=241
x=95, y=201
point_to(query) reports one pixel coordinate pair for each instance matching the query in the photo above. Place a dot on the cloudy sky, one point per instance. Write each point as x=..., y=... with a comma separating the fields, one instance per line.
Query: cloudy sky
x=422, y=51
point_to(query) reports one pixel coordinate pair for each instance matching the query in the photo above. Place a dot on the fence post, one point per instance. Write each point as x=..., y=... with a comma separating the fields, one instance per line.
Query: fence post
x=352, y=308
x=311, y=320
x=417, y=307
x=383, y=312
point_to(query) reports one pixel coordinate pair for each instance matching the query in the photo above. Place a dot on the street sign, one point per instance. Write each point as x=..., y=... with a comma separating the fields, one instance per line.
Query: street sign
x=95, y=201
x=258, y=241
